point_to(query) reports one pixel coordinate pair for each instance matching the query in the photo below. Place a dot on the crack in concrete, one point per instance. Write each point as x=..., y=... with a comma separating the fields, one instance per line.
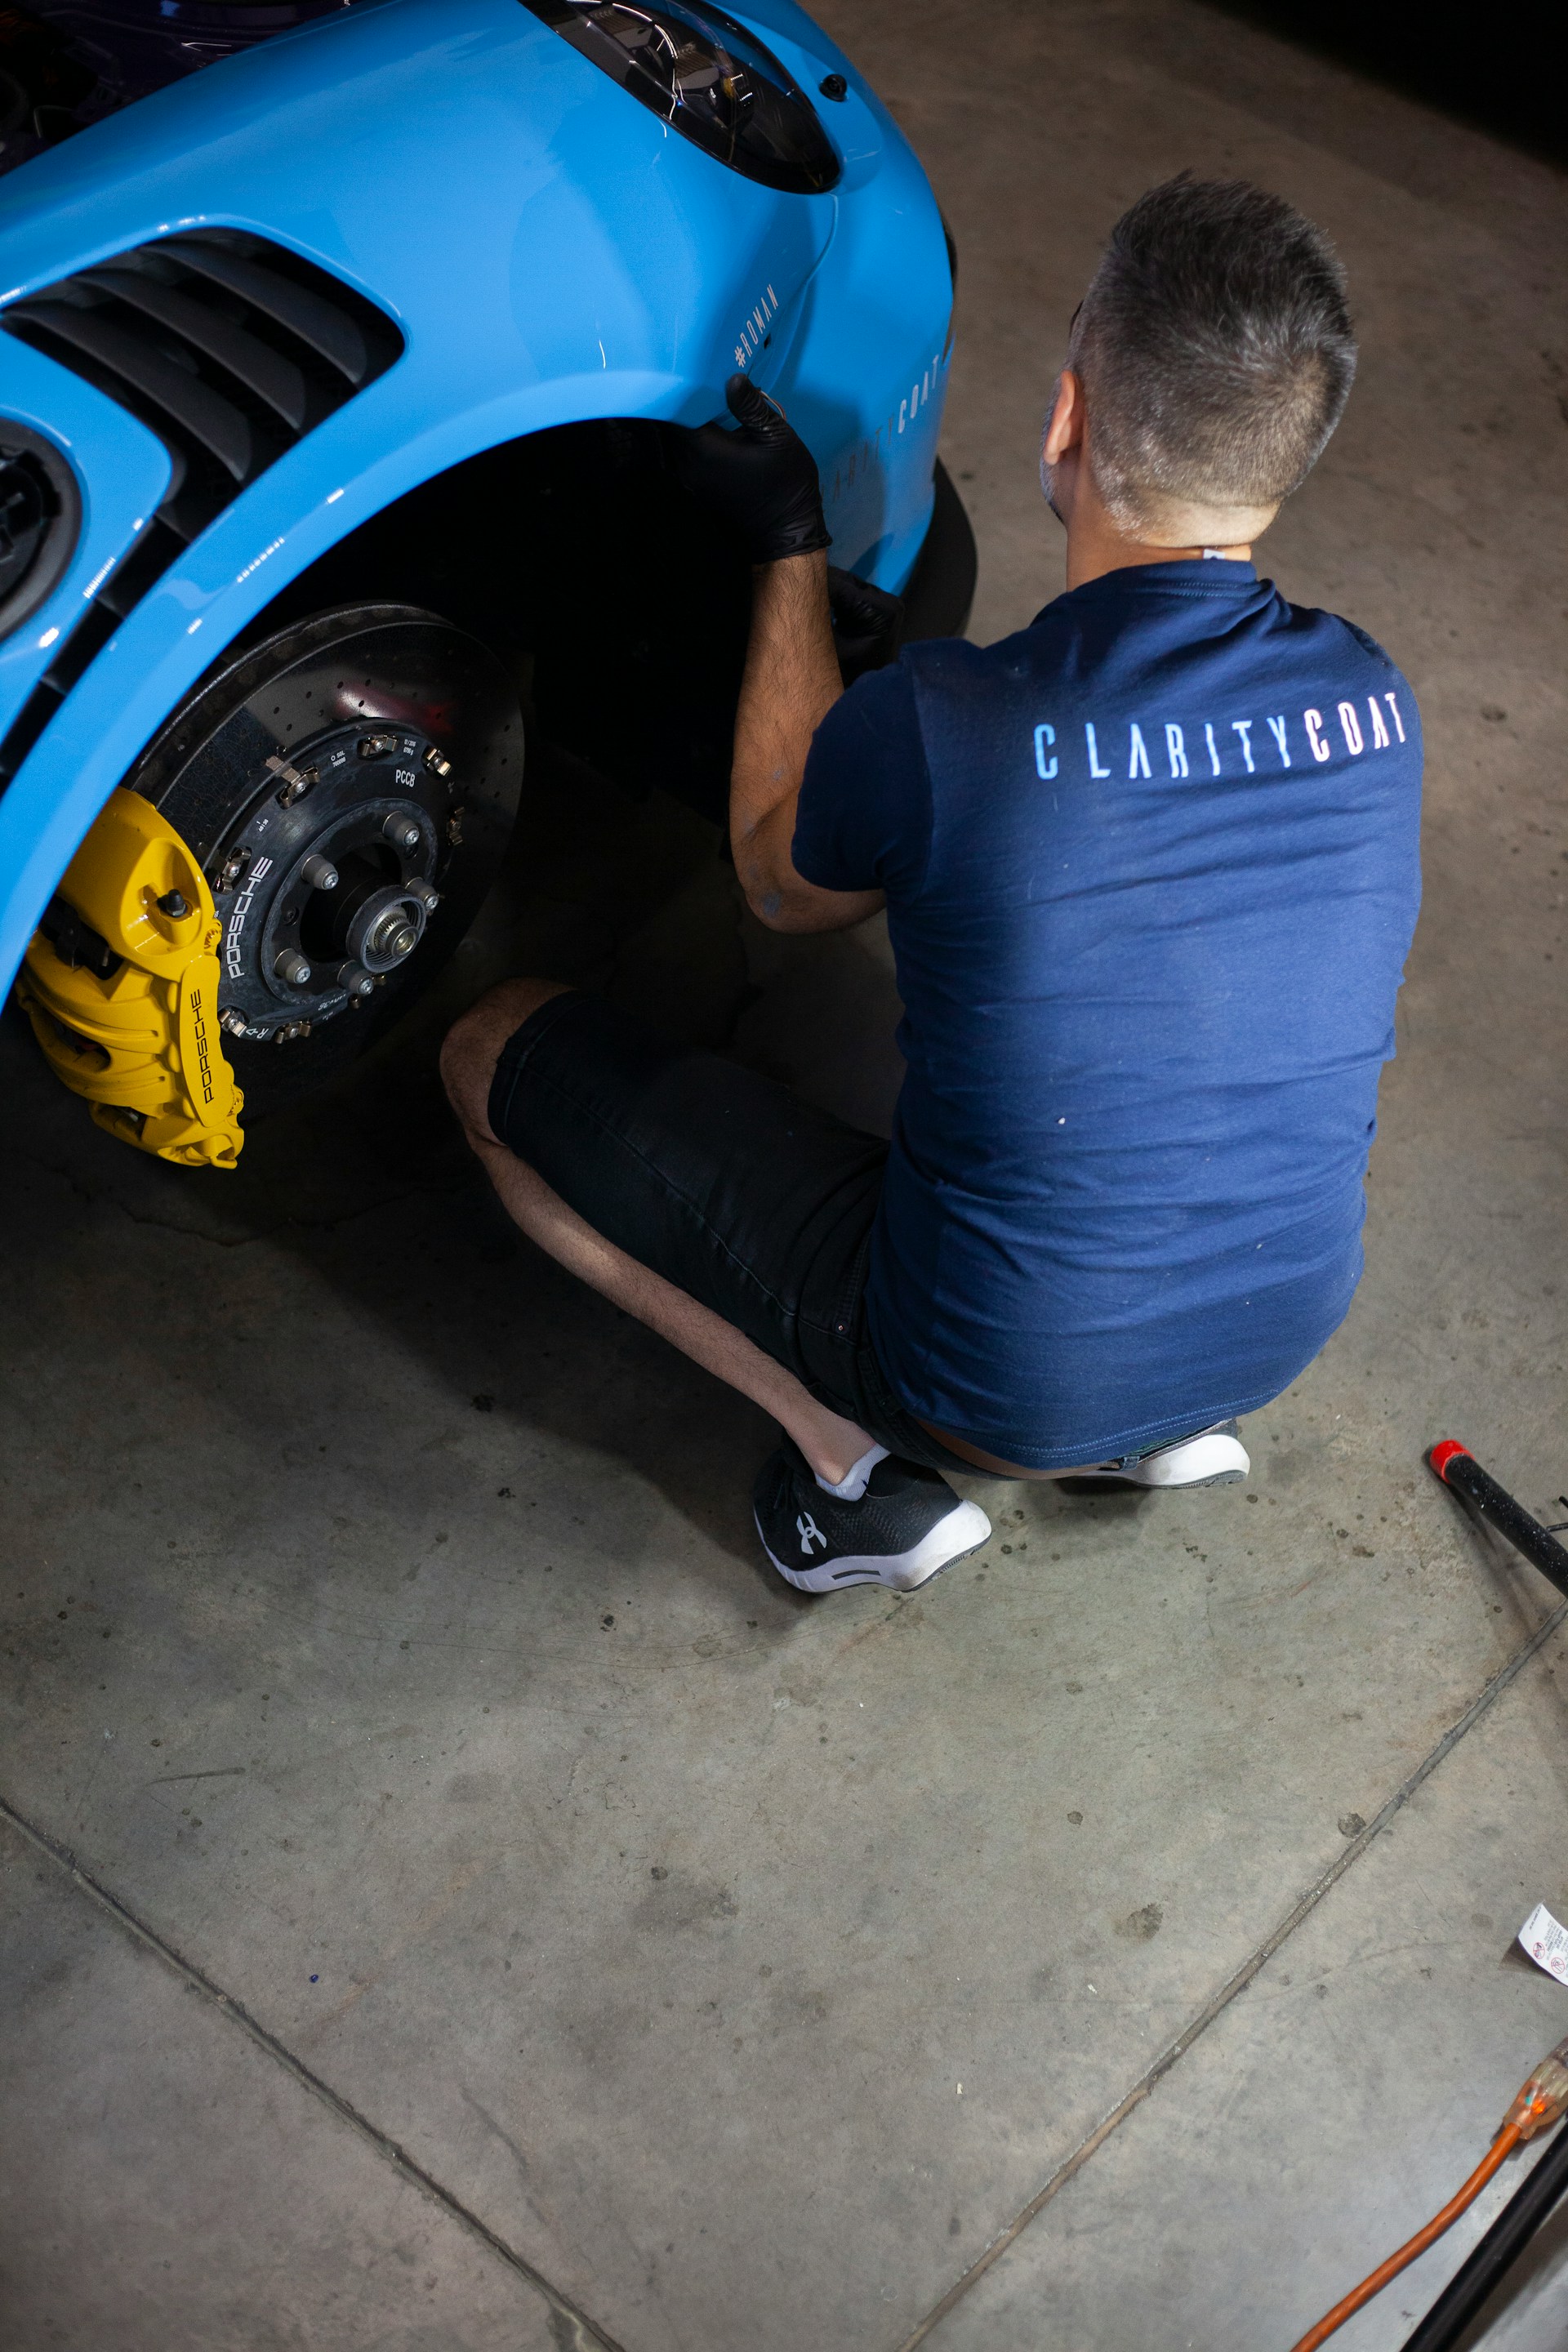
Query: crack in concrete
x=1235, y=1985
x=569, y=2327
x=504, y=2136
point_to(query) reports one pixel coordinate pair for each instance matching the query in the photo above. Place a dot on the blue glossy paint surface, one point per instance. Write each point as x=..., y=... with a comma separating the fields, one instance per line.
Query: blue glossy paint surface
x=551, y=251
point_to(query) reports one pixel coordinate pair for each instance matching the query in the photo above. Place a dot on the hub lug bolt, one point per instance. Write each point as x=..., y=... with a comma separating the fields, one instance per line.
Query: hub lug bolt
x=357, y=981
x=403, y=831
x=293, y=968
x=429, y=899
x=320, y=873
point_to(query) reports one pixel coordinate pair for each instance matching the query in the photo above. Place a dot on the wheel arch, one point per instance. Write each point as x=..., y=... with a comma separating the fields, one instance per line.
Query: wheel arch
x=322, y=508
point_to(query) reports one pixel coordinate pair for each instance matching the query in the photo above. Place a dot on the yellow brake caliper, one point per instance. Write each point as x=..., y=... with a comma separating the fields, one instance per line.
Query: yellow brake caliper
x=127, y=1013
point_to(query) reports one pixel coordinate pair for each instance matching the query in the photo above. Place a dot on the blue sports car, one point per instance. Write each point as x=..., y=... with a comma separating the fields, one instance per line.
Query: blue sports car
x=342, y=347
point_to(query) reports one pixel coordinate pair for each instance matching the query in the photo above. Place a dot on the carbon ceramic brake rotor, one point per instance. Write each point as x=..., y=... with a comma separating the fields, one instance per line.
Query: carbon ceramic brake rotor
x=349, y=786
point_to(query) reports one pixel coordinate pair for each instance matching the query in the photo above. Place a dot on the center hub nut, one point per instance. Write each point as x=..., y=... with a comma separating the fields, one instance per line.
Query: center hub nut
x=392, y=935
x=386, y=929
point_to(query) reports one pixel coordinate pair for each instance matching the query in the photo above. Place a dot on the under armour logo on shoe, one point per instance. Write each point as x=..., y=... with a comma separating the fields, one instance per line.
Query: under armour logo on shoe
x=809, y=1533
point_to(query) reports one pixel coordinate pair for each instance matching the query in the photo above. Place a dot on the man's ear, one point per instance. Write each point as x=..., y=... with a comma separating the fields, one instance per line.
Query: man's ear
x=1064, y=427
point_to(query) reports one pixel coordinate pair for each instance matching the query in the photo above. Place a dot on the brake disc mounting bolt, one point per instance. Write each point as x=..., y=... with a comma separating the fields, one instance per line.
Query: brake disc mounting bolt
x=376, y=747
x=296, y=781
x=436, y=762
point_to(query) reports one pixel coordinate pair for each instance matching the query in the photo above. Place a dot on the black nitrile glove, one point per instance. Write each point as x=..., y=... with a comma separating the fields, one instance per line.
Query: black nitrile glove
x=761, y=479
x=868, y=622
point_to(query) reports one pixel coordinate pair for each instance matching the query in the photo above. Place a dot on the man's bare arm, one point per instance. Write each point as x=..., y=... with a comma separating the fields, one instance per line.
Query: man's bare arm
x=791, y=683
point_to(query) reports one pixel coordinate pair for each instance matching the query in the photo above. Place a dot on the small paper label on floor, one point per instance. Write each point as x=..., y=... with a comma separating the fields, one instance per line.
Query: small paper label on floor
x=1546, y=1940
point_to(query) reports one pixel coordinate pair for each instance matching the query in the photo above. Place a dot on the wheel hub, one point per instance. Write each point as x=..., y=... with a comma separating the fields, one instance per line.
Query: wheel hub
x=327, y=884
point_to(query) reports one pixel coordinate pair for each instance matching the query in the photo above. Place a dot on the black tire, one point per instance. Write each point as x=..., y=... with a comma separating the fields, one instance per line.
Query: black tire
x=277, y=750
x=940, y=589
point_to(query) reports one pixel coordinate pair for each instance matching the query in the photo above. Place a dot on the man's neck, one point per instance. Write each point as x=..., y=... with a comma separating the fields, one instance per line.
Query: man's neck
x=1096, y=546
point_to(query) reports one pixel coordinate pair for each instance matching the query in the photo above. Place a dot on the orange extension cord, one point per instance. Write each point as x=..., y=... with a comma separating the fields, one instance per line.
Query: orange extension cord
x=1538, y=2107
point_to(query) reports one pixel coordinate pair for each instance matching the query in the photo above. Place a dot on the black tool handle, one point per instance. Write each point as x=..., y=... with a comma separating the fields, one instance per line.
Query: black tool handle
x=1473, y=2282
x=1457, y=1467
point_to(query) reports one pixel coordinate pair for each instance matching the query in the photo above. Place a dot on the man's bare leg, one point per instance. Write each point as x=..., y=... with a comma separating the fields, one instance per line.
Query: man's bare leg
x=830, y=1443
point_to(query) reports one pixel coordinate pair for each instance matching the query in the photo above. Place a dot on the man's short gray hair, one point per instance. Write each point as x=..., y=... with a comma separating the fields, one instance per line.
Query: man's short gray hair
x=1215, y=351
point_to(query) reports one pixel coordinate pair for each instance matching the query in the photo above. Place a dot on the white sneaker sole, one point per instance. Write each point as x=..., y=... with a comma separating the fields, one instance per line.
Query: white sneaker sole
x=955, y=1538
x=1212, y=1460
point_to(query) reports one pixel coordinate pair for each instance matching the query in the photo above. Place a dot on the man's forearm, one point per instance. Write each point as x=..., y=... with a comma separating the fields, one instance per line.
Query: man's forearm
x=792, y=681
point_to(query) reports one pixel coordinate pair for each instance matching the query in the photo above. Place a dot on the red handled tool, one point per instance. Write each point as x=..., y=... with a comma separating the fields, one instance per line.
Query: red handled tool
x=1457, y=1467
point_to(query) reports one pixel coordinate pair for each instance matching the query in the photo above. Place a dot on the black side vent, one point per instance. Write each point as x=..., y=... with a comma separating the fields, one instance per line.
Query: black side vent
x=230, y=350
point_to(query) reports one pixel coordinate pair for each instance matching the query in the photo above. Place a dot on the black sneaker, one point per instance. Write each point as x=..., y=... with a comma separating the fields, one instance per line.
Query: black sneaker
x=907, y=1525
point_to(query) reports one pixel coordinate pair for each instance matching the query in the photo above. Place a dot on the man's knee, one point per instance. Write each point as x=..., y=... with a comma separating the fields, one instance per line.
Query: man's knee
x=473, y=1046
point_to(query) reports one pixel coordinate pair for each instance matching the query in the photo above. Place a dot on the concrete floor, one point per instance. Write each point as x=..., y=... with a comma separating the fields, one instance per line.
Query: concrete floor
x=455, y=1901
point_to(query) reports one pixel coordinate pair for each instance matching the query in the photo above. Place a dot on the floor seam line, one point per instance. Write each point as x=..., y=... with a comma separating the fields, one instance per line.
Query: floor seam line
x=586, y=2335
x=1237, y=1984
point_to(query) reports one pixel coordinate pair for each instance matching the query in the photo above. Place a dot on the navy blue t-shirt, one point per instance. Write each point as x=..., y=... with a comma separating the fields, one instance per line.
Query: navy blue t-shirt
x=1152, y=876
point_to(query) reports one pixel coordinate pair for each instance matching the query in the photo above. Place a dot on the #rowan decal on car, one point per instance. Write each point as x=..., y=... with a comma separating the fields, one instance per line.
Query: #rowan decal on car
x=754, y=330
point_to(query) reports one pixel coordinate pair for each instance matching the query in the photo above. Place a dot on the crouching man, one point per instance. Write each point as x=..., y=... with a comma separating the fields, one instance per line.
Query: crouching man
x=1150, y=868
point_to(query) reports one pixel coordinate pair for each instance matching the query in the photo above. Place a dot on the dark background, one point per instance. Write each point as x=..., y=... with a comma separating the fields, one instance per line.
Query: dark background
x=1499, y=69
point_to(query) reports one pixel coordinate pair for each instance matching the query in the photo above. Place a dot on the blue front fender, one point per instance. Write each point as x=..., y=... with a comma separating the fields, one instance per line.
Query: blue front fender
x=550, y=252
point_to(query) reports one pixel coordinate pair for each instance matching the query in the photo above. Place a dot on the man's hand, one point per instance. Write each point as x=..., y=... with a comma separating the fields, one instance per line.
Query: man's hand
x=762, y=478
x=868, y=624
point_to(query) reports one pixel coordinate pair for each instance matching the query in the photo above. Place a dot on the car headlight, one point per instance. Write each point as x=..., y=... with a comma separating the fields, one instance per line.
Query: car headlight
x=40, y=513
x=708, y=79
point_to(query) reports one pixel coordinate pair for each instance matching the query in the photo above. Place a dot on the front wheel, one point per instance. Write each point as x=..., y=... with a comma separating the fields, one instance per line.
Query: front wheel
x=347, y=788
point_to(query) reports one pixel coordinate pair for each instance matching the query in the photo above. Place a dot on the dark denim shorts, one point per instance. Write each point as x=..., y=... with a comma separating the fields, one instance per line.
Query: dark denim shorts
x=746, y=1198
